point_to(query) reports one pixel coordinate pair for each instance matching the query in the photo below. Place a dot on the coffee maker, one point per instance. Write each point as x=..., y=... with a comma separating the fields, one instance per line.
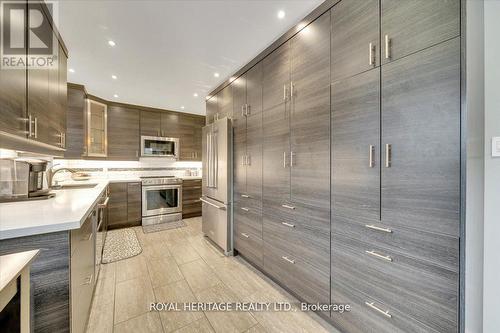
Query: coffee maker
x=37, y=170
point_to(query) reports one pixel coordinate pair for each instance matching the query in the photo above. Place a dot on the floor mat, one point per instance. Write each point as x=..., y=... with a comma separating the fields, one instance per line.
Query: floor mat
x=120, y=244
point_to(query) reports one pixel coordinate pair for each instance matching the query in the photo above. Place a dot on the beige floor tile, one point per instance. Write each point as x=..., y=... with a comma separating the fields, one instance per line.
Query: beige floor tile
x=146, y=323
x=199, y=275
x=105, y=288
x=199, y=326
x=206, y=250
x=256, y=329
x=155, y=250
x=163, y=271
x=108, y=271
x=183, y=253
x=131, y=268
x=229, y=321
x=101, y=316
x=181, y=293
x=133, y=298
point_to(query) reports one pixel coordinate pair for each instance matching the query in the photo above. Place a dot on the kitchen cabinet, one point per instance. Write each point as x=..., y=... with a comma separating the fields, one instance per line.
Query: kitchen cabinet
x=355, y=45
x=409, y=26
x=296, y=162
x=191, y=194
x=124, y=208
x=150, y=123
x=123, y=133
x=225, y=103
x=75, y=122
x=189, y=133
x=97, y=129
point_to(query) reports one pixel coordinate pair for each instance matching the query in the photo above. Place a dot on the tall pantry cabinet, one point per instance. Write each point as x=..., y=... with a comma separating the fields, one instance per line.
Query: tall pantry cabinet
x=396, y=166
x=347, y=148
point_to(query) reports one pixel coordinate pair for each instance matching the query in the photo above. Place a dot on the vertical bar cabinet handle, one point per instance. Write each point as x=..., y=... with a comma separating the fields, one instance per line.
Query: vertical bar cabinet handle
x=291, y=89
x=284, y=160
x=30, y=125
x=388, y=156
x=371, y=60
x=387, y=47
x=36, y=127
x=372, y=148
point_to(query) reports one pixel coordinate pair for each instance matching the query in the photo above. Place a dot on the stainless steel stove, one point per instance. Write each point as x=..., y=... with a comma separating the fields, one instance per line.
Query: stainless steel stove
x=161, y=199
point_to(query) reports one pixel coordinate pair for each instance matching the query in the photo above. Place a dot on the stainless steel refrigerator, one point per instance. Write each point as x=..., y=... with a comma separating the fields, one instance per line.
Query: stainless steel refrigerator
x=216, y=193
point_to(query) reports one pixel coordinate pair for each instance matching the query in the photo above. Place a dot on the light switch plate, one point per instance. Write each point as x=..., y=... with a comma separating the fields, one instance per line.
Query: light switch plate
x=495, y=146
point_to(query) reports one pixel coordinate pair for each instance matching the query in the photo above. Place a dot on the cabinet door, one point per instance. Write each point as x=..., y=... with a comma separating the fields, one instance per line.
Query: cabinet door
x=225, y=102
x=413, y=25
x=134, y=208
x=276, y=124
x=186, y=132
x=150, y=123
x=199, y=124
x=13, y=100
x=96, y=129
x=211, y=109
x=254, y=132
x=310, y=116
x=63, y=93
x=170, y=124
x=356, y=138
x=239, y=136
x=117, y=207
x=421, y=123
x=75, y=127
x=355, y=37
x=123, y=133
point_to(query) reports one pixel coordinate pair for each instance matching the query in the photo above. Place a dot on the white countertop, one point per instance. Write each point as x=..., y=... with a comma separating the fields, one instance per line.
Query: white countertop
x=11, y=265
x=66, y=211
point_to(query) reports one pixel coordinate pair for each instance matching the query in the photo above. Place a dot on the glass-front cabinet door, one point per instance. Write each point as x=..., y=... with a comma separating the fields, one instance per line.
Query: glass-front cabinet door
x=97, y=142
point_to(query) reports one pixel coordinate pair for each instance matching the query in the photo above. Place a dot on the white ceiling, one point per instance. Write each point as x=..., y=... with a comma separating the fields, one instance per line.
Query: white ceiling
x=168, y=50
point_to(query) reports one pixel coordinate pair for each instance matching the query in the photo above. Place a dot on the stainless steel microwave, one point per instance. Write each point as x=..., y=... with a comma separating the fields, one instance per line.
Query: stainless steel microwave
x=156, y=146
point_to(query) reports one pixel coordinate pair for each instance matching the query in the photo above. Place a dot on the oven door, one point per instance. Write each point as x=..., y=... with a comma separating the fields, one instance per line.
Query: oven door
x=161, y=199
x=153, y=146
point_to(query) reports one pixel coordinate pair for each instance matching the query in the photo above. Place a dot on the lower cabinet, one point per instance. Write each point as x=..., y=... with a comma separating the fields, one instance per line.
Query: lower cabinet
x=83, y=277
x=191, y=194
x=124, y=208
x=247, y=216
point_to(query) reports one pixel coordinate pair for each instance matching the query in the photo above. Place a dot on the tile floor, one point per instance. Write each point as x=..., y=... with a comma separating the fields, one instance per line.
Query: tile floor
x=179, y=265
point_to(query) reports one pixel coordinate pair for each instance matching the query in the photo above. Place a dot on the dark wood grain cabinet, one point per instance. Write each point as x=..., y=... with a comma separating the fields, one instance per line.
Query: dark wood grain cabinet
x=150, y=123
x=191, y=194
x=75, y=122
x=123, y=133
x=358, y=199
x=125, y=204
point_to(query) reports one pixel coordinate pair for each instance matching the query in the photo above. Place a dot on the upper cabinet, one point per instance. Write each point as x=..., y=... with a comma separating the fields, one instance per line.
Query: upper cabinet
x=151, y=123
x=97, y=113
x=123, y=133
x=33, y=99
x=411, y=26
x=355, y=45
x=211, y=109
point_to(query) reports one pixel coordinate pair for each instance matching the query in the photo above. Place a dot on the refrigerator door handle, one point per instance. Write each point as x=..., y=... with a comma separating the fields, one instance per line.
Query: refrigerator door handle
x=216, y=161
x=212, y=204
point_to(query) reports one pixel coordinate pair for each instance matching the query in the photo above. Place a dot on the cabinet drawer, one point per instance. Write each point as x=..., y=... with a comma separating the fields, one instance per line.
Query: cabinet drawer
x=362, y=318
x=248, y=243
x=300, y=231
x=191, y=183
x=420, y=290
x=250, y=216
x=79, y=236
x=298, y=275
x=439, y=249
x=189, y=194
x=191, y=208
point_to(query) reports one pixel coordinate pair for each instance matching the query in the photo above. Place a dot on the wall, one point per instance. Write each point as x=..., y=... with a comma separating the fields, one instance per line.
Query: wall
x=491, y=301
x=474, y=166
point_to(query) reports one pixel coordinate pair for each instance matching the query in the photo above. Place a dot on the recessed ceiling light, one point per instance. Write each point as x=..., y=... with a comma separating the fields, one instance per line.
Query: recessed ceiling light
x=281, y=14
x=216, y=74
x=111, y=43
x=195, y=94
x=207, y=98
x=114, y=77
x=71, y=70
x=182, y=107
x=115, y=96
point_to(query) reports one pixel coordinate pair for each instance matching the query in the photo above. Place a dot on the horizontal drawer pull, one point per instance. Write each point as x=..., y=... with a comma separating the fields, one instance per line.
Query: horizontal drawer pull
x=288, y=259
x=88, y=280
x=374, y=227
x=245, y=196
x=287, y=207
x=245, y=235
x=245, y=209
x=380, y=256
x=288, y=224
x=372, y=306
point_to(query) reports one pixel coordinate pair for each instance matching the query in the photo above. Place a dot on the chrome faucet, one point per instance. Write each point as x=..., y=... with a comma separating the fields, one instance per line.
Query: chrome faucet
x=51, y=173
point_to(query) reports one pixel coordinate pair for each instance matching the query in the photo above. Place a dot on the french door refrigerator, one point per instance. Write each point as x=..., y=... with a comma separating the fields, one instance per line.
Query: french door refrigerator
x=216, y=183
